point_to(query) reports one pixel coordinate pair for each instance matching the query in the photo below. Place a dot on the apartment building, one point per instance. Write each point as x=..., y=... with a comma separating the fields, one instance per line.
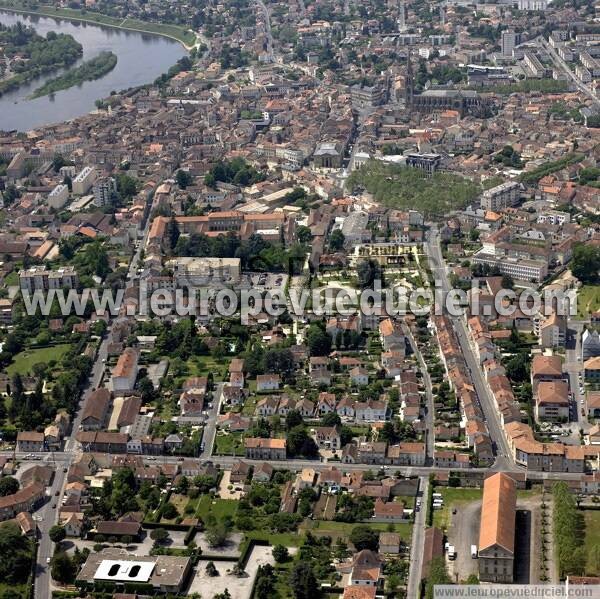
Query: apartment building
x=58, y=197
x=39, y=278
x=84, y=180
x=105, y=189
x=501, y=196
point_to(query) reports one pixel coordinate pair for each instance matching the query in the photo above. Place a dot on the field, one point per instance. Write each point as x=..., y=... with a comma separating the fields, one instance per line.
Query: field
x=229, y=444
x=25, y=360
x=217, y=507
x=592, y=541
x=588, y=300
x=453, y=498
x=180, y=34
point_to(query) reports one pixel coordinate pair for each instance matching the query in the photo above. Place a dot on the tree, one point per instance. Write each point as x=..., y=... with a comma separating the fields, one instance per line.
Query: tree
x=211, y=569
x=15, y=554
x=368, y=271
x=280, y=554
x=224, y=595
x=172, y=233
x=292, y=419
x=331, y=419
x=217, y=534
x=303, y=234
x=169, y=511
x=517, y=368
x=160, y=535
x=336, y=240
x=57, y=533
x=319, y=342
x=183, y=178
x=437, y=575
x=304, y=582
x=364, y=537
x=300, y=443
x=63, y=568
x=8, y=486
x=585, y=264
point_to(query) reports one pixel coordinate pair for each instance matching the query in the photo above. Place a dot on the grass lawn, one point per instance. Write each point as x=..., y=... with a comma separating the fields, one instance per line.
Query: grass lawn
x=592, y=539
x=229, y=444
x=205, y=365
x=588, y=300
x=453, y=497
x=250, y=405
x=25, y=360
x=217, y=507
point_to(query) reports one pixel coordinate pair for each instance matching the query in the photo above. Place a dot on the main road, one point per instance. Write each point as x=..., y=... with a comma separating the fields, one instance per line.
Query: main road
x=504, y=457
x=47, y=515
x=561, y=64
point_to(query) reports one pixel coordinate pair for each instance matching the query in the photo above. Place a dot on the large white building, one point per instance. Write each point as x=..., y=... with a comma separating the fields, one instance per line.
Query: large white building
x=84, y=180
x=58, y=197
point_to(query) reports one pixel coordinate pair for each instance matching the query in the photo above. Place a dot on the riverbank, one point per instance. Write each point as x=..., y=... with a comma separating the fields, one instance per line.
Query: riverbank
x=185, y=37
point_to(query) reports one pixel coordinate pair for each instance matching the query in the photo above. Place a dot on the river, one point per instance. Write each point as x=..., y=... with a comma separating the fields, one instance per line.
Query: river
x=142, y=58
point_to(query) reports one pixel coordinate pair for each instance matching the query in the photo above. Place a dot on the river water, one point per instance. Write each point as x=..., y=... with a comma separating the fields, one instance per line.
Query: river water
x=141, y=59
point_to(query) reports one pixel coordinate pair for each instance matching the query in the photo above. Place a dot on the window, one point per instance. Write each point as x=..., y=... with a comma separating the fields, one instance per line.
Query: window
x=114, y=570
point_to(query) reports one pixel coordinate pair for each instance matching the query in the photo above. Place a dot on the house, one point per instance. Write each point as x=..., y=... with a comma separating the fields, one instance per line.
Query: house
x=392, y=337
x=593, y=404
x=359, y=376
x=96, y=409
x=306, y=478
x=173, y=442
x=545, y=368
x=239, y=472
x=320, y=376
x=125, y=372
x=233, y=396
x=265, y=449
x=406, y=454
x=389, y=542
x=26, y=524
x=371, y=452
x=267, y=382
x=371, y=411
x=360, y=592
x=591, y=368
x=328, y=437
x=24, y=500
x=267, y=406
x=388, y=511
x=72, y=522
x=30, y=441
x=366, y=569
x=497, y=529
x=263, y=473
x=326, y=403
x=552, y=401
